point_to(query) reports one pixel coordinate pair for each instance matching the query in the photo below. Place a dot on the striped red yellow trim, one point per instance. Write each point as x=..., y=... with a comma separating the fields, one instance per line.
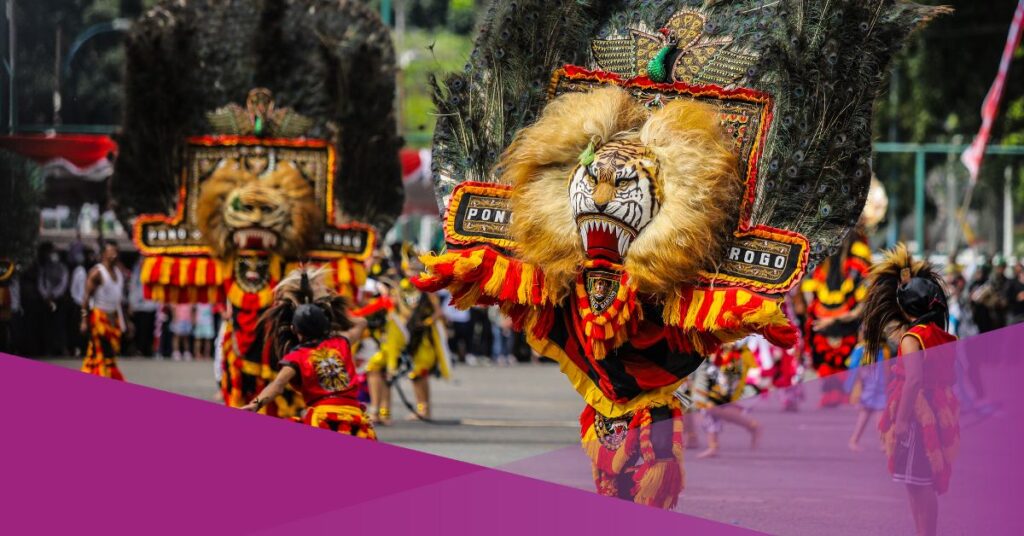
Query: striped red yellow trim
x=609, y=329
x=481, y=275
x=706, y=318
x=174, y=279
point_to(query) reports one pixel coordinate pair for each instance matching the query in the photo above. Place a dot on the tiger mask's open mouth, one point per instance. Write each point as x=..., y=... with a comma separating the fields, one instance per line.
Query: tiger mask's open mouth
x=605, y=237
x=613, y=199
x=254, y=238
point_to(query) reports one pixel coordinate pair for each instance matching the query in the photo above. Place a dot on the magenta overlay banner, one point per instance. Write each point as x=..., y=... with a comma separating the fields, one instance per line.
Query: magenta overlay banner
x=803, y=477
x=86, y=455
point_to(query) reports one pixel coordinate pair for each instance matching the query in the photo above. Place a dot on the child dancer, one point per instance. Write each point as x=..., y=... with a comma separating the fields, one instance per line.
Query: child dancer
x=315, y=325
x=718, y=384
x=204, y=331
x=872, y=393
x=920, y=424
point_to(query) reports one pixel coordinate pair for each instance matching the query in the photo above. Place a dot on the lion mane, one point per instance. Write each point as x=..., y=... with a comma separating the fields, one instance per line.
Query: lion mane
x=294, y=217
x=697, y=185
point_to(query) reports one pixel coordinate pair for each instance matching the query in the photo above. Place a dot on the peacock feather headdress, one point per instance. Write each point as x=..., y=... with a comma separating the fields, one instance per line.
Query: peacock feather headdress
x=314, y=69
x=792, y=83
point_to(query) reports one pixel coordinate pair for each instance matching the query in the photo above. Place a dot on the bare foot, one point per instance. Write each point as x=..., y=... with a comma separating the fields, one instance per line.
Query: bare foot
x=381, y=418
x=855, y=446
x=755, y=435
x=709, y=453
x=692, y=442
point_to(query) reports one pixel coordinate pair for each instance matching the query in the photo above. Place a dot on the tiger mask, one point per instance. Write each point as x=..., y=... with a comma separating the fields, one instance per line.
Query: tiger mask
x=274, y=212
x=653, y=191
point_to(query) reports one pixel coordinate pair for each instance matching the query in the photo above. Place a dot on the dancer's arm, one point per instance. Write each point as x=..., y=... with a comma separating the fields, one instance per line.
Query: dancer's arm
x=910, y=350
x=272, y=391
x=355, y=333
x=92, y=280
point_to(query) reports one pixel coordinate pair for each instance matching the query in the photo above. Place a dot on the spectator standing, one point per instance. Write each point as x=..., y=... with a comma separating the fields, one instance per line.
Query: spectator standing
x=501, y=331
x=181, y=329
x=1016, y=295
x=10, y=310
x=143, y=313
x=204, y=330
x=77, y=252
x=78, y=278
x=983, y=298
x=482, y=342
x=461, y=335
x=52, y=283
x=162, y=331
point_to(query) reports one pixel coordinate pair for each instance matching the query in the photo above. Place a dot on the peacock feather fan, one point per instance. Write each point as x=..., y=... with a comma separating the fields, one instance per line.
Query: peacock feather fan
x=331, y=68
x=820, y=63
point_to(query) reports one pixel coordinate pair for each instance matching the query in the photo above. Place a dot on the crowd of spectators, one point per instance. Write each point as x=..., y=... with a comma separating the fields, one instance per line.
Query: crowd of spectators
x=46, y=304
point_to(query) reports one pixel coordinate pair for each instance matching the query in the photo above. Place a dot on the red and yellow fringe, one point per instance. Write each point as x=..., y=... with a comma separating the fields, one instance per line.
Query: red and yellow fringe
x=699, y=319
x=655, y=481
x=170, y=279
x=937, y=413
x=483, y=276
x=607, y=330
x=706, y=318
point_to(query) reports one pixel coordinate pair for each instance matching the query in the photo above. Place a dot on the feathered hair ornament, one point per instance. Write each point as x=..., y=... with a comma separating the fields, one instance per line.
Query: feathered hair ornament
x=903, y=292
x=302, y=286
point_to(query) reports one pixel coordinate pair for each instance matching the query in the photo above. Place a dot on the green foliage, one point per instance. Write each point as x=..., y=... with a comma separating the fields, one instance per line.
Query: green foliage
x=92, y=91
x=428, y=52
x=941, y=79
x=461, y=16
x=21, y=190
x=427, y=14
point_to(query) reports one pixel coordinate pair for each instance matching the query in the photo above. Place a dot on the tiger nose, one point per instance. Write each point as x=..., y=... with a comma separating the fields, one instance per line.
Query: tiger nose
x=603, y=194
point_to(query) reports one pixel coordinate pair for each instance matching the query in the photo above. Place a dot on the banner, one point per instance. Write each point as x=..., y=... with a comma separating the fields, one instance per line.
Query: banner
x=973, y=155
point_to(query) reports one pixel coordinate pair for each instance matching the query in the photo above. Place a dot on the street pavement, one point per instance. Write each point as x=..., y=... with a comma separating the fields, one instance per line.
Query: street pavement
x=801, y=480
x=485, y=415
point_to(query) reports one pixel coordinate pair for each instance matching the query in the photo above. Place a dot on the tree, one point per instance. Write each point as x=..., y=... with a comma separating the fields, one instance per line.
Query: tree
x=21, y=190
x=940, y=81
x=92, y=93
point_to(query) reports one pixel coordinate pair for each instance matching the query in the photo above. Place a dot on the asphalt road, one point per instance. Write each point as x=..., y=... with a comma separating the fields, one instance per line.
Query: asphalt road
x=801, y=480
x=505, y=413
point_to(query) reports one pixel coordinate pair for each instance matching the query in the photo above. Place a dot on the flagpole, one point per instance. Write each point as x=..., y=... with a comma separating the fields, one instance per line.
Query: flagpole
x=974, y=154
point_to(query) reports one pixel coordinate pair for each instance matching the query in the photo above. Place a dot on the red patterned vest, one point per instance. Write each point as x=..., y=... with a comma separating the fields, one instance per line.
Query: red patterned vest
x=326, y=372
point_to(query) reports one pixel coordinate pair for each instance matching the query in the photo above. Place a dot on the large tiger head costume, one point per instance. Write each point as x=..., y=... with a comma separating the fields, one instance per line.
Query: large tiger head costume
x=655, y=191
x=272, y=212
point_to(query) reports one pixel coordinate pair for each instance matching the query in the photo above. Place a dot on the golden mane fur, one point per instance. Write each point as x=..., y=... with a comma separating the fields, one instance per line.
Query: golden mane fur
x=295, y=222
x=697, y=183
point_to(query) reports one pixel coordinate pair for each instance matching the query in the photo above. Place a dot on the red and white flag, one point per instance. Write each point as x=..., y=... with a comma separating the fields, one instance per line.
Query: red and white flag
x=973, y=155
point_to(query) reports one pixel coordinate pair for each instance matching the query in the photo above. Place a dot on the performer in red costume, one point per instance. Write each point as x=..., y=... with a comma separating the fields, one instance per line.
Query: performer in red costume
x=251, y=156
x=836, y=289
x=321, y=369
x=103, y=318
x=637, y=183
x=920, y=424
